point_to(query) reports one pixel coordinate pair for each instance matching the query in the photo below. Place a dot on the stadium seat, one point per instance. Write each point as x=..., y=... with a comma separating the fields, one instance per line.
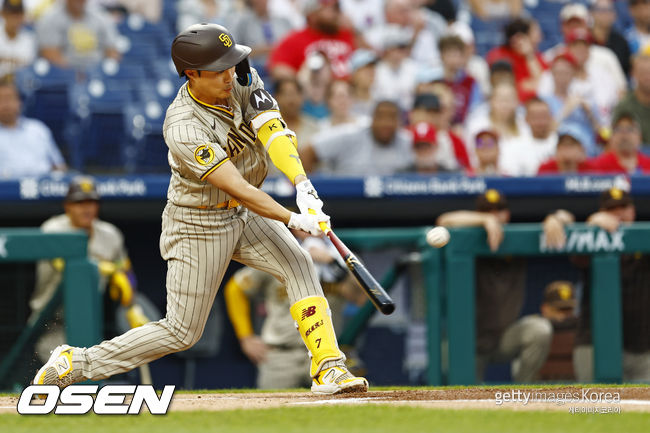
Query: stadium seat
x=144, y=128
x=44, y=88
x=98, y=124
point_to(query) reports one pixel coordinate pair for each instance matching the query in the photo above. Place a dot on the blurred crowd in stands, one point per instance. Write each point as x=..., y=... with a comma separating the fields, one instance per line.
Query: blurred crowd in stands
x=477, y=87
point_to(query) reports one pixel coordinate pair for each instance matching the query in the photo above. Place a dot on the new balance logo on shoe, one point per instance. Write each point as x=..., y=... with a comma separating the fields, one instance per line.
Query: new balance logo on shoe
x=62, y=366
x=78, y=400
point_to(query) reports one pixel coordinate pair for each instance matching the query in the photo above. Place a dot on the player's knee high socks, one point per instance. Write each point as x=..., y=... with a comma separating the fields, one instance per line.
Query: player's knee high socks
x=312, y=316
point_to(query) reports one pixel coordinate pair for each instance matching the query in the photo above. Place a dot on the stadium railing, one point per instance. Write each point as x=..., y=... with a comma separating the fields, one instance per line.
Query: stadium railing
x=450, y=272
x=82, y=307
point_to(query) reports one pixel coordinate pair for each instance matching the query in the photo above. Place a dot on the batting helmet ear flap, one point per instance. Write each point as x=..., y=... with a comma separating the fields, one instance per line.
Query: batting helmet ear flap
x=243, y=71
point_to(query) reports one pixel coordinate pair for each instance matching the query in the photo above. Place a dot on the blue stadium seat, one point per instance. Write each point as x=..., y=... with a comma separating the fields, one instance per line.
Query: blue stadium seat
x=143, y=123
x=98, y=124
x=44, y=88
x=487, y=34
x=157, y=36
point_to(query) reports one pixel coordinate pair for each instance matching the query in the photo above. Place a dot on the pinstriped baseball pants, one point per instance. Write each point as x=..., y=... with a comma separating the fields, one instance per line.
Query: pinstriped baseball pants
x=198, y=246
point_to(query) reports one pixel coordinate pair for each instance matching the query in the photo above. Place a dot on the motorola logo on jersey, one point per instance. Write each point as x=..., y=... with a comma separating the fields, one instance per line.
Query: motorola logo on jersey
x=262, y=100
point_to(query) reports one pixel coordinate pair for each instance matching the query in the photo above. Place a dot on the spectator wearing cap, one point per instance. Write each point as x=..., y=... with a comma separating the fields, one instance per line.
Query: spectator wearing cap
x=380, y=148
x=486, y=148
x=599, y=64
x=638, y=36
x=323, y=33
x=571, y=103
x=425, y=148
x=501, y=334
x=637, y=100
x=362, y=65
x=105, y=247
x=521, y=51
x=435, y=155
x=603, y=17
x=395, y=76
x=260, y=29
x=559, y=306
x=591, y=78
x=17, y=44
x=453, y=53
x=27, y=147
x=570, y=156
x=436, y=106
x=74, y=34
x=617, y=209
x=623, y=156
x=501, y=71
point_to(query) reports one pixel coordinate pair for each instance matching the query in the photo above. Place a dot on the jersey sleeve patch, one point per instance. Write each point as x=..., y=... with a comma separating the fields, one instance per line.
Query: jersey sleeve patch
x=262, y=100
x=204, y=154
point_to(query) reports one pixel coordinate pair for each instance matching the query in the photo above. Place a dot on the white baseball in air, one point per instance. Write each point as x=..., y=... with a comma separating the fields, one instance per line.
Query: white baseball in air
x=438, y=237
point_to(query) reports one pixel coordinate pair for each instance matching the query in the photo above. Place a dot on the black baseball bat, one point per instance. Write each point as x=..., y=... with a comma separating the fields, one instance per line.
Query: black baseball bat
x=373, y=289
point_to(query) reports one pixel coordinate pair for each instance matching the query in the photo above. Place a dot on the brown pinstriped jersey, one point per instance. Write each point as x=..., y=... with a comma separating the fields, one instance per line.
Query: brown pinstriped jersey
x=200, y=137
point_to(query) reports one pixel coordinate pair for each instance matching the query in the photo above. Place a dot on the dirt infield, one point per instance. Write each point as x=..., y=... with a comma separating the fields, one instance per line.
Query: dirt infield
x=588, y=400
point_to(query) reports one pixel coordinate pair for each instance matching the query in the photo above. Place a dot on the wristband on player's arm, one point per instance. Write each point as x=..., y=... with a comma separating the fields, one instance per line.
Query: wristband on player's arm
x=239, y=309
x=282, y=145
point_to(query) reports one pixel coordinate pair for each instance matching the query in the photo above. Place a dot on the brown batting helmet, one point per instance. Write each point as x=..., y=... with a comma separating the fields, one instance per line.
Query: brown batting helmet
x=210, y=47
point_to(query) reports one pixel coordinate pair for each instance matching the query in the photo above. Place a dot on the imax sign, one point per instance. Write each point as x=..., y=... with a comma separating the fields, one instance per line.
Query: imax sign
x=587, y=241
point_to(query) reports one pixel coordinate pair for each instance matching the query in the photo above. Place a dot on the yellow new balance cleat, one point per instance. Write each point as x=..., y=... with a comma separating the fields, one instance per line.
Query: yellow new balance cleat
x=336, y=380
x=58, y=369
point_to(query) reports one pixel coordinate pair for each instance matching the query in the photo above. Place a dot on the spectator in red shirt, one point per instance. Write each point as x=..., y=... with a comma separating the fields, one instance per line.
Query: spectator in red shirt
x=570, y=155
x=323, y=33
x=624, y=155
x=521, y=51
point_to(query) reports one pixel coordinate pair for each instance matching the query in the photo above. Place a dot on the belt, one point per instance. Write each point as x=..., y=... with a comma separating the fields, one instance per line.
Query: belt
x=228, y=204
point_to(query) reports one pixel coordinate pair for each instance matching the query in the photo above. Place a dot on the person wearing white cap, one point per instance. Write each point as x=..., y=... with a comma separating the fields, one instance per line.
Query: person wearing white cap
x=601, y=60
x=362, y=65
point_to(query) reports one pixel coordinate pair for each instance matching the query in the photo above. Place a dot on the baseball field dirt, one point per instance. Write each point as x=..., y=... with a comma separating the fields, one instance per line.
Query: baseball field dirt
x=586, y=399
x=595, y=409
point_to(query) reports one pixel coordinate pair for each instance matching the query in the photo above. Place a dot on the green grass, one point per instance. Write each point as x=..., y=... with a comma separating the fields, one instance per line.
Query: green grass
x=375, y=419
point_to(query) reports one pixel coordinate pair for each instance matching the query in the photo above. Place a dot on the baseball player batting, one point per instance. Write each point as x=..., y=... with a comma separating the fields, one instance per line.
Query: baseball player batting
x=220, y=129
